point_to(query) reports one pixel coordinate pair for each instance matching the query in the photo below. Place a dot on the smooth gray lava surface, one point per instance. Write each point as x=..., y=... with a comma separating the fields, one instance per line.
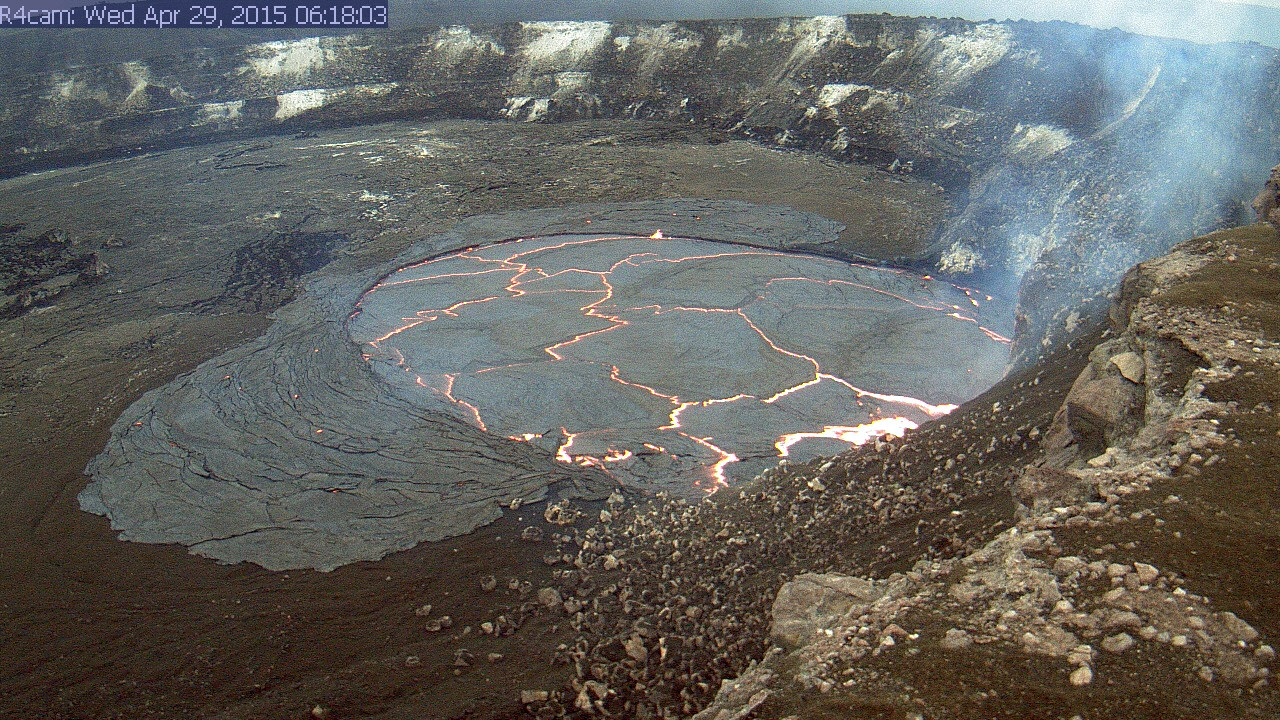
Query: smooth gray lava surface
x=312, y=447
x=674, y=362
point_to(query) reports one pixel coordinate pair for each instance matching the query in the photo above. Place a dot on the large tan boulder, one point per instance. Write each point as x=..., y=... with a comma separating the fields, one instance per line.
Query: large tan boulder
x=1039, y=488
x=814, y=601
x=1100, y=408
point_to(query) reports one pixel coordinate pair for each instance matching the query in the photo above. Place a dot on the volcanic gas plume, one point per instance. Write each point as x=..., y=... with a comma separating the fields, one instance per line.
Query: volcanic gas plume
x=649, y=356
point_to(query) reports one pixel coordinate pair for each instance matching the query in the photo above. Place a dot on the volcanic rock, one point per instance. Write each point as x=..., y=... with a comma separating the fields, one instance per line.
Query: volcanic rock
x=1146, y=573
x=533, y=696
x=1130, y=365
x=1118, y=643
x=1238, y=629
x=1267, y=204
x=1102, y=405
x=956, y=639
x=1039, y=488
x=814, y=601
x=549, y=597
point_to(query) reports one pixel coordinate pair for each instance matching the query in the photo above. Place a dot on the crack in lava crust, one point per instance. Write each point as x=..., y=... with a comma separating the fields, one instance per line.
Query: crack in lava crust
x=676, y=361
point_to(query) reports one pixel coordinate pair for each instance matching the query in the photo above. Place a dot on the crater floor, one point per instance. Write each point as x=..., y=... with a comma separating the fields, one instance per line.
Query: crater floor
x=303, y=448
x=673, y=360
x=173, y=299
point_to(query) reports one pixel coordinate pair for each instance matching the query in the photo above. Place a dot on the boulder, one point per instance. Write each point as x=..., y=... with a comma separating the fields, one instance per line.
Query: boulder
x=1101, y=408
x=812, y=602
x=1040, y=488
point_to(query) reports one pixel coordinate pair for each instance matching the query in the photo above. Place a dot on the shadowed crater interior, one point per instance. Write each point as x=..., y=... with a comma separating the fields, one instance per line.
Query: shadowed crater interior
x=660, y=358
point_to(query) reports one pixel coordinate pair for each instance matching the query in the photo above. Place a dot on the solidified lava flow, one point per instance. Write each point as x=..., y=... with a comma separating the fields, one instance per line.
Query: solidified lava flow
x=676, y=361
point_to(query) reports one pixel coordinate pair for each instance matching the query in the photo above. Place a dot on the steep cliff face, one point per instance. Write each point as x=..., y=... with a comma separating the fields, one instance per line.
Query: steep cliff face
x=1267, y=204
x=1072, y=152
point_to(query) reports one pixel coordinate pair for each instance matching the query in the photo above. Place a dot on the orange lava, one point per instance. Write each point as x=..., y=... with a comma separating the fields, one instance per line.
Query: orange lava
x=856, y=435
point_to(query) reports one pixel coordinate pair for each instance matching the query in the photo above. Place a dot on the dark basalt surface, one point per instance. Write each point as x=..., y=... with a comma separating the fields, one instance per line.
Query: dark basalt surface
x=36, y=270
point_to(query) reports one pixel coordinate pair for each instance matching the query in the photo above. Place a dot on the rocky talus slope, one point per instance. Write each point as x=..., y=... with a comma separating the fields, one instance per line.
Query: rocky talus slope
x=1093, y=537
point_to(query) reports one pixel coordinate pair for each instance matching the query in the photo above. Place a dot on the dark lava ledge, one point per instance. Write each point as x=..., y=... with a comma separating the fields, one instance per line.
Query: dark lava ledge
x=246, y=459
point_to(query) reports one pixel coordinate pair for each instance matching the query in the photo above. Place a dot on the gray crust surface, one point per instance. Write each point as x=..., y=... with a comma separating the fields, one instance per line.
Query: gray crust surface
x=290, y=452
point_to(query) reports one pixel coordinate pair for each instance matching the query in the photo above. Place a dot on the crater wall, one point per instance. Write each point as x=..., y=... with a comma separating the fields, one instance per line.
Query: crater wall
x=1072, y=152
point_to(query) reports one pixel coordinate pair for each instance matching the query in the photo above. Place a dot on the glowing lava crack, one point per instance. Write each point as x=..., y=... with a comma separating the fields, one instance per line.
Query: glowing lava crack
x=660, y=359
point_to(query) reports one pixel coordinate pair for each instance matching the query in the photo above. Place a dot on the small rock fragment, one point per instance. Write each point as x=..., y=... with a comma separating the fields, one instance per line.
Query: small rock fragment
x=549, y=597
x=636, y=649
x=444, y=621
x=1118, y=643
x=533, y=696
x=561, y=513
x=1130, y=365
x=1123, y=619
x=1082, y=676
x=956, y=639
x=1146, y=573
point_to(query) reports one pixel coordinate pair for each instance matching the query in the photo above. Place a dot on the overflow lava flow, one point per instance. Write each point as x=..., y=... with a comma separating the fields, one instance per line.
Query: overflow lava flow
x=677, y=361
